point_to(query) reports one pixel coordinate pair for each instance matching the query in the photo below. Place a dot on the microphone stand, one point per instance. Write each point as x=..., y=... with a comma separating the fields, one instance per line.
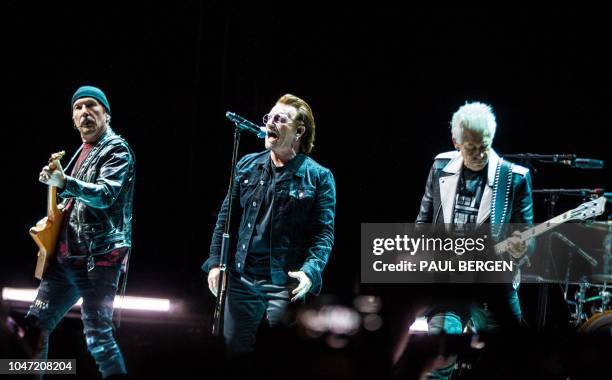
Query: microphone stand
x=564, y=159
x=586, y=194
x=567, y=278
x=217, y=328
x=545, y=288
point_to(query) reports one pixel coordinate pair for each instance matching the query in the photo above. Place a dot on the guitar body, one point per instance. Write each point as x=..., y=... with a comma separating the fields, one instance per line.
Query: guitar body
x=46, y=234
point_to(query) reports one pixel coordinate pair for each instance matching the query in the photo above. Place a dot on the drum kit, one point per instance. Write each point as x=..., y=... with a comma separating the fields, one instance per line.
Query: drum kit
x=588, y=296
x=591, y=304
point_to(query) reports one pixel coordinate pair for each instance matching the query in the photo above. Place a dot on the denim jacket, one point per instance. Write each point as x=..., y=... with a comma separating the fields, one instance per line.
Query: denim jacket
x=302, y=217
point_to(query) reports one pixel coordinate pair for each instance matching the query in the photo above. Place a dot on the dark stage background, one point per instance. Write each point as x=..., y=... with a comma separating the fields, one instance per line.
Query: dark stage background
x=383, y=83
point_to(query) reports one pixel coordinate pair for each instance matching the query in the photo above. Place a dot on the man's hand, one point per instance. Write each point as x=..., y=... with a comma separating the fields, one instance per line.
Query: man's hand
x=213, y=280
x=516, y=247
x=303, y=287
x=55, y=178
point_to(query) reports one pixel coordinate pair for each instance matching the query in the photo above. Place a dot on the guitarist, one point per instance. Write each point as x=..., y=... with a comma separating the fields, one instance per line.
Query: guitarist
x=285, y=205
x=465, y=188
x=96, y=233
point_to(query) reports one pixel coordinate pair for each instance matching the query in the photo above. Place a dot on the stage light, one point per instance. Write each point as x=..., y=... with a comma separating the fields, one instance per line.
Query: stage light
x=335, y=341
x=142, y=303
x=372, y=322
x=335, y=319
x=21, y=295
x=367, y=304
x=419, y=325
x=126, y=302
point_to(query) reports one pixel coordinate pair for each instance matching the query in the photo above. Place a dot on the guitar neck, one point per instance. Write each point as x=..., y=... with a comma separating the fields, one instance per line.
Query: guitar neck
x=585, y=211
x=536, y=231
x=51, y=202
x=546, y=226
x=54, y=163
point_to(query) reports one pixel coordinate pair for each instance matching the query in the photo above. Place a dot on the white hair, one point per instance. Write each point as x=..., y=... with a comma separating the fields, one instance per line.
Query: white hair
x=476, y=117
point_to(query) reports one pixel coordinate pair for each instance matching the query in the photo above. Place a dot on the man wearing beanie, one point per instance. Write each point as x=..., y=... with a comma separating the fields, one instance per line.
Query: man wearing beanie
x=96, y=233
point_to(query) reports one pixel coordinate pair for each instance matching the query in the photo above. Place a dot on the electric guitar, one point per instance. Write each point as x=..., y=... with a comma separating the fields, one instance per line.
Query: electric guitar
x=46, y=232
x=585, y=211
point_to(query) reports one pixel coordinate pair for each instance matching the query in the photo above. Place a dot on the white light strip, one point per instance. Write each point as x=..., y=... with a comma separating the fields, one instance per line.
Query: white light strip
x=419, y=325
x=126, y=302
x=23, y=295
x=142, y=303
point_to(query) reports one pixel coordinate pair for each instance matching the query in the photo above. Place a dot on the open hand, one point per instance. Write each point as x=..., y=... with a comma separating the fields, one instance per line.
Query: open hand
x=303, y=287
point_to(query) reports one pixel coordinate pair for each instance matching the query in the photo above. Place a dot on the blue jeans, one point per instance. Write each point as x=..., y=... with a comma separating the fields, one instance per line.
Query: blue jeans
x=247, y=303
x=60, y=289
x=506, y=313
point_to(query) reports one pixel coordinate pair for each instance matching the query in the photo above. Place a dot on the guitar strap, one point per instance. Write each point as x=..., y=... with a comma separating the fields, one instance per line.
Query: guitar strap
x=72, y=160
x=501, y=197
x=74, y=156
x=93, y=154
x=499, y=210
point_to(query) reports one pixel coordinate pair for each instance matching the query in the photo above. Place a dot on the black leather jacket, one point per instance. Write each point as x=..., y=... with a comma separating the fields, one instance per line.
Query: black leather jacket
x=517, y=213
x=303, y=217
x=100, y=220
x=520, y=203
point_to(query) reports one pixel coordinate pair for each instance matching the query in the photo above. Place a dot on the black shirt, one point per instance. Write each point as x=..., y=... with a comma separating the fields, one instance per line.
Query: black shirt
x=257, y=264
x=469, y=194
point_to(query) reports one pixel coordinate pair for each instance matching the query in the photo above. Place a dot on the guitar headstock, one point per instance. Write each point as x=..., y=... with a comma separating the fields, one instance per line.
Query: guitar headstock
x=54, y=159
x=589, y=209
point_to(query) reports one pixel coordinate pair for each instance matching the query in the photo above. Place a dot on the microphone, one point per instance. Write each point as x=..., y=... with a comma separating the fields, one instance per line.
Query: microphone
x=572, y=245
x=245, y=125
x=587, y=163
x=564, y=159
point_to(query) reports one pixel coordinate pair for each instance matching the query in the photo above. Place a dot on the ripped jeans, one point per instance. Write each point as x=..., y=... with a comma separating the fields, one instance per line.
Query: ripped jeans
x=60, y=289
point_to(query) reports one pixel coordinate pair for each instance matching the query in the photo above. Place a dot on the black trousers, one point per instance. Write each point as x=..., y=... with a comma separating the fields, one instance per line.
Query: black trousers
x=248, y=302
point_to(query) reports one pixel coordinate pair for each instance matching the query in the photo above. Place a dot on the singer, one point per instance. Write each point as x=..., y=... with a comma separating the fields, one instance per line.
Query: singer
x=285, y=202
